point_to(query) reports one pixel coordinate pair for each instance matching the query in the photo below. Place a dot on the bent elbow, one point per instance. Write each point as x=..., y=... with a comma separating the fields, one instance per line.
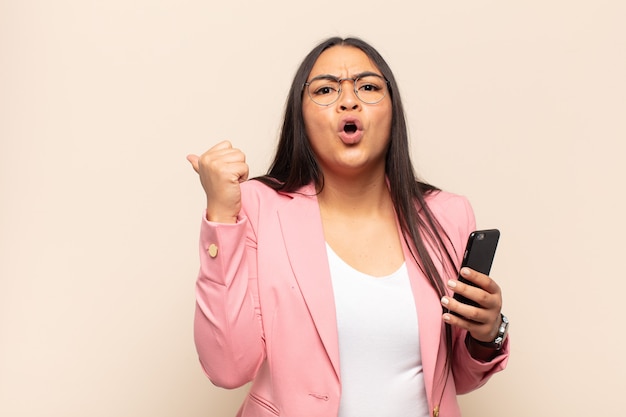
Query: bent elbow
x=227, y=382
x=227, y=378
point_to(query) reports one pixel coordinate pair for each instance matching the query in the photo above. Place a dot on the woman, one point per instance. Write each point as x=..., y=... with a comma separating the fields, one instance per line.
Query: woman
x=328, y=282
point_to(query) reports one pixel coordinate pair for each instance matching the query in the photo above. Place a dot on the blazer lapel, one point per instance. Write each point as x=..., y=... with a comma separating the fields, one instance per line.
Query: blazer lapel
x=303, y=234
x=430, y=328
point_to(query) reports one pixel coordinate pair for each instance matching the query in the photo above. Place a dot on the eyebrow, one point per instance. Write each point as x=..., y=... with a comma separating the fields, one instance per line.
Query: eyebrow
x=335, y=78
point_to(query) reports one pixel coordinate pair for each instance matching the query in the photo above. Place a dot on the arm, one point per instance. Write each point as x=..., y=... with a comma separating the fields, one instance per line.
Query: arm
x=472, y=364
x=227, y=326
x=471, y=373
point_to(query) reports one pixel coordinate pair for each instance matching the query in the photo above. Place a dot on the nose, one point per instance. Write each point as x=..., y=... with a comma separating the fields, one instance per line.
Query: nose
x=348, y=99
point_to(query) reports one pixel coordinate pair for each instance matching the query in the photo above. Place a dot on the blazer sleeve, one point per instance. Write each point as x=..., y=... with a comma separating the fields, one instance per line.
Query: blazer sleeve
x=228, y=331
x=470, y=373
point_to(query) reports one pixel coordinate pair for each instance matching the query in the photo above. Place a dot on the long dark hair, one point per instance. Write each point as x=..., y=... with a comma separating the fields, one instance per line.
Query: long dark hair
x=295, y=165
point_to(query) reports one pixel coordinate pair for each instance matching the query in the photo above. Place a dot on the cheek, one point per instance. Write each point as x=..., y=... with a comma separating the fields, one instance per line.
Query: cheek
x=383, y=123
x=315, y=123
x=388, y=117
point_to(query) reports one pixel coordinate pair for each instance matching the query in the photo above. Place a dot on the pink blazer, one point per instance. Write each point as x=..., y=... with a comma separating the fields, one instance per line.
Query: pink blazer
x=265, y=308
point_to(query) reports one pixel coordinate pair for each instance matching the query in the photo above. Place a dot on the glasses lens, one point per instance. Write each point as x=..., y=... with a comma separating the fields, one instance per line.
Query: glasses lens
x=324, y=91
x=371, y=88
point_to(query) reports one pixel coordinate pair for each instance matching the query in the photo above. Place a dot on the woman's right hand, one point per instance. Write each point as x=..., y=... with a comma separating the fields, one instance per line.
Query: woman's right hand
x=221, y=169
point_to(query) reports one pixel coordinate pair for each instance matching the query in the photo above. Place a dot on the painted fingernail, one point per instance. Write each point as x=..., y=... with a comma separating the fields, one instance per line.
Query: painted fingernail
x=446, y=317
x=444, y=301
x=451, y=283
x=465, y=271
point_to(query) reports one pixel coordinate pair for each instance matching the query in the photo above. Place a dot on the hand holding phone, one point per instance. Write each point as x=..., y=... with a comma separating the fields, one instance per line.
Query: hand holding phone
x=479, y=254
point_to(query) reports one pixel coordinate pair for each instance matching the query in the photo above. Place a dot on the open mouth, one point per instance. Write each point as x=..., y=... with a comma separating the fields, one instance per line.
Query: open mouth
x=350, y=128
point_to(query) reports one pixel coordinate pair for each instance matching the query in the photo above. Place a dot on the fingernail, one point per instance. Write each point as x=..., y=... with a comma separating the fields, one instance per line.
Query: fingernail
x=465, y=271
x=446, y=317
x=444, y=301
x=451, y=284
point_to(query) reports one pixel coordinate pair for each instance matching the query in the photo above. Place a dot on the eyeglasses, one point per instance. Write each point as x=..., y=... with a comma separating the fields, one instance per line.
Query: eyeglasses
x=324, y=90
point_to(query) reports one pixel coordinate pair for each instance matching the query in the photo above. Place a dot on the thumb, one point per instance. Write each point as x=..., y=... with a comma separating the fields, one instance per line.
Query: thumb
x=193, y=159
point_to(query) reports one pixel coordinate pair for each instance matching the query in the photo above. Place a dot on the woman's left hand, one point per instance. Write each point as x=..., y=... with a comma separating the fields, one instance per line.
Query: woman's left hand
x=481, y=322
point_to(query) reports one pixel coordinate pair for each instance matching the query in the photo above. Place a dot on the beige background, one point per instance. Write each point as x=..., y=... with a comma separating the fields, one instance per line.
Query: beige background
x=521, y=106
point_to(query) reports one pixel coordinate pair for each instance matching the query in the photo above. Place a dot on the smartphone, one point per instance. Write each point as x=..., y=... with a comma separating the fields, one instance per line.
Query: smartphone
x=479, y=254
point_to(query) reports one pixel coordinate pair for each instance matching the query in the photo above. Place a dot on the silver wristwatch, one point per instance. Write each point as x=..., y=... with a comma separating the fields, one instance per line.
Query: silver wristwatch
x=498, y=342
x=502, y=331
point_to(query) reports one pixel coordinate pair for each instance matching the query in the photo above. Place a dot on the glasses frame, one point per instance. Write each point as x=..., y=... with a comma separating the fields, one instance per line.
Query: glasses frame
x=340, y=81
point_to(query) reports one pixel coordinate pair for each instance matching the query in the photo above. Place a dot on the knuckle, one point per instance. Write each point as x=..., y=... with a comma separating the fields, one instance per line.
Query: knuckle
x=474, y=315
x=483, y=298
x=206, y=160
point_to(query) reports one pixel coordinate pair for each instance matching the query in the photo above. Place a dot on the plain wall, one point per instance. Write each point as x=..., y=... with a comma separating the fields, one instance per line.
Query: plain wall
x=521, y=106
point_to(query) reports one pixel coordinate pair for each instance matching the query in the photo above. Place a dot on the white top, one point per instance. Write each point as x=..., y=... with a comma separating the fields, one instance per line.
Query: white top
x=379, y=352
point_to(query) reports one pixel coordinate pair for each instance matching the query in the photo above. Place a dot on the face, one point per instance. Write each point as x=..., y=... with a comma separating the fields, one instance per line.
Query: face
x=349, y=137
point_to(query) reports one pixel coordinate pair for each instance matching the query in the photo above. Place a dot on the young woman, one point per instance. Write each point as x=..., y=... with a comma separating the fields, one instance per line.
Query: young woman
x=328, y=282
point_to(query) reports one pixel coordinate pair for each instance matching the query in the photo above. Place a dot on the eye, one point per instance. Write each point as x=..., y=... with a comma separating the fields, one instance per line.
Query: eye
x=370, y=84
x=369, y=87
x=324, y=90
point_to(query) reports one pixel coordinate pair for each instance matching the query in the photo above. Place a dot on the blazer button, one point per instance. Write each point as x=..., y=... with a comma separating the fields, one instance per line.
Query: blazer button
x=212, y=250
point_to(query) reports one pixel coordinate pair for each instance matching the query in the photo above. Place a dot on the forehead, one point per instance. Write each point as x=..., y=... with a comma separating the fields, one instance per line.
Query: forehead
x=343, y=61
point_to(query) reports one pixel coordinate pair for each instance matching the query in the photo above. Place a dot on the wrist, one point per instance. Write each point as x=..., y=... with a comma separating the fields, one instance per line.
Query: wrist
x=217, y=217
x=486, y=351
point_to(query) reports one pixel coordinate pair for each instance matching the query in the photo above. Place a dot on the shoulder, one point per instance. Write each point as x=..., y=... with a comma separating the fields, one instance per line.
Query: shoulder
x=446, y=203
x=256, y=189
x=253, y=187
x=255, y=194
x=454, y=213
x=257, y=197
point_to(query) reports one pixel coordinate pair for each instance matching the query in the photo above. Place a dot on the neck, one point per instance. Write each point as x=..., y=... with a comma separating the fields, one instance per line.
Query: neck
x=355, y=196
